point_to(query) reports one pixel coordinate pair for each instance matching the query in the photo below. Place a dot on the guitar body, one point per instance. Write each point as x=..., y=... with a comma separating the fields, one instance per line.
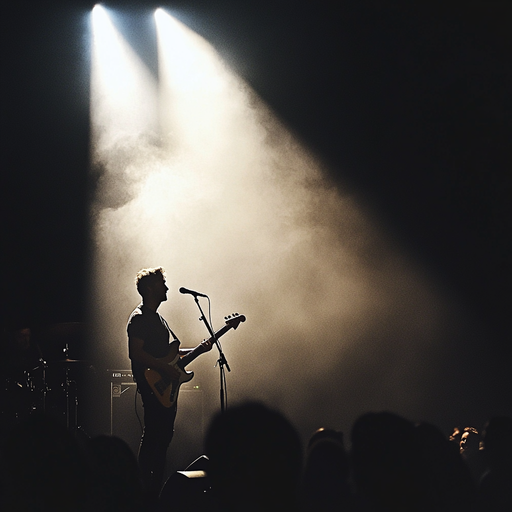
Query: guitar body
x=165, y=390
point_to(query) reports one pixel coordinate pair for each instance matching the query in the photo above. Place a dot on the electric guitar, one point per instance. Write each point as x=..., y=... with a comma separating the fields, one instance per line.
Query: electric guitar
x=165, y=389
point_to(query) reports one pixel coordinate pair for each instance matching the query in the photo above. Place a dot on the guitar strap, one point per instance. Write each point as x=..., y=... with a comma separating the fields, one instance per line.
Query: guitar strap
x=174, y=337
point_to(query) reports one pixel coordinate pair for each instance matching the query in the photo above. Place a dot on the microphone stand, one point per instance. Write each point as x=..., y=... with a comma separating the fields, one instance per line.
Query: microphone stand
x=222, y=361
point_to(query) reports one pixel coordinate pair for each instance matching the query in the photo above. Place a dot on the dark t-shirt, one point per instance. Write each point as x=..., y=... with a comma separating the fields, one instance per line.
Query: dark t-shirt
x=151, y=328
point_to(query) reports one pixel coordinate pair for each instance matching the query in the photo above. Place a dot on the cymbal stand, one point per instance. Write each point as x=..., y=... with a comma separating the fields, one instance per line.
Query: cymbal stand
x=44, y=366
x=38, y=402
x=71, y=425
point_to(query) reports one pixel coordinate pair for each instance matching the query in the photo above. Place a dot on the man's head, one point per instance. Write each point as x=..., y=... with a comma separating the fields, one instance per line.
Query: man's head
x=255, y=457
x=469, y=440
x=150, y=282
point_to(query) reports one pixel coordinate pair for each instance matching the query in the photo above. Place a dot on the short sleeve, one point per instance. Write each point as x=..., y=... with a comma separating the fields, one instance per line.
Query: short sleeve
x=135, y=327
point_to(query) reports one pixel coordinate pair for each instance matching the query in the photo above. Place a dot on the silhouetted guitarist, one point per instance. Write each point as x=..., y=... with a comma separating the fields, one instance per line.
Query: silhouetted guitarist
x=149, y=341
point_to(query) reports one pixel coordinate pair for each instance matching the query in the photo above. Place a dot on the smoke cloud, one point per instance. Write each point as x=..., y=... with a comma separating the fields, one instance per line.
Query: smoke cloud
x=339, y=319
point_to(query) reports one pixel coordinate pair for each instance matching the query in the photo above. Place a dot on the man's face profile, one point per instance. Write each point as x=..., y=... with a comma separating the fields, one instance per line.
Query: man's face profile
x=158, y=289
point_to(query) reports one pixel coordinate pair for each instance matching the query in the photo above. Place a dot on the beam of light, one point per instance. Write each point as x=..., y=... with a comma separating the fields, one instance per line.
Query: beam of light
x=122, y=97
x=186, y=60
x=192, y=81
x=124, y=132
x=233, y=205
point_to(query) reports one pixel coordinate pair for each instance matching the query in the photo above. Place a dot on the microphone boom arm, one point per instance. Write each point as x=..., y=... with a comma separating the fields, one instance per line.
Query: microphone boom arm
x=222, y=358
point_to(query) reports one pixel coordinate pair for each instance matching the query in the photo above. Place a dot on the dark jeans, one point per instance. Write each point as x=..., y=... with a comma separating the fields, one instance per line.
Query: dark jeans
x=156, y=437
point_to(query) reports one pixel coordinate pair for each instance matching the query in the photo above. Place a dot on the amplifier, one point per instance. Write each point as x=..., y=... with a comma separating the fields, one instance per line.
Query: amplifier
x=126, y=412
x=120, y=374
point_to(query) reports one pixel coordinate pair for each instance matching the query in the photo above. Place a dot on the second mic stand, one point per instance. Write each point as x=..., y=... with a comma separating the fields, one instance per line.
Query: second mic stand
x=222, y=361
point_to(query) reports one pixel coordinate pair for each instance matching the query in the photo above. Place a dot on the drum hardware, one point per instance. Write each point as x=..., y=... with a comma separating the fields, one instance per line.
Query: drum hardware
x=44, y=384
x=69, y=387
x=47, y=382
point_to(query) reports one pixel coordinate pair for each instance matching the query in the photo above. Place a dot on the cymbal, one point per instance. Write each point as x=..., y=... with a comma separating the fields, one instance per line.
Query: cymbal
x=69, y=361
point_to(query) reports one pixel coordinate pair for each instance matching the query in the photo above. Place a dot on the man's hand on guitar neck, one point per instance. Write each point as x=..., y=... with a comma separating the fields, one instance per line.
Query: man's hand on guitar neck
x=204, y=346
x=207, y=345
x=171, y=372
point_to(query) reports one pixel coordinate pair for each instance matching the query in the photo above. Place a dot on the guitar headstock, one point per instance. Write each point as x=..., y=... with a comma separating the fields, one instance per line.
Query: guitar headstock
x=234, y=320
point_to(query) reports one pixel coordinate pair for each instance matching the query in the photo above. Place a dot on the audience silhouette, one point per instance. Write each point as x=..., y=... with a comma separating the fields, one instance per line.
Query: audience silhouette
x=255, y=459
x=386, y=470
x=471, y=453
x=115, y=481
x=326, y=478
x=495, y=486
x=44, y=468
x=254, y=462
x=447, y=483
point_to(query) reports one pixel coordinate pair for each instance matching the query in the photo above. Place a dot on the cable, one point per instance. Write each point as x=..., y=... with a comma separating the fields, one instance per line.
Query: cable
x=137, y=391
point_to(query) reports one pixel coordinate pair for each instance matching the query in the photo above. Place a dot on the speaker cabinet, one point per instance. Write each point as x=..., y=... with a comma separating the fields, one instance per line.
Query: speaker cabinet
x=126, y=411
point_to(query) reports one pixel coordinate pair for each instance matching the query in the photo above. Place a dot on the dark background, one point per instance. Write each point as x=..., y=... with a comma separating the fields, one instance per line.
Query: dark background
x=409, y=105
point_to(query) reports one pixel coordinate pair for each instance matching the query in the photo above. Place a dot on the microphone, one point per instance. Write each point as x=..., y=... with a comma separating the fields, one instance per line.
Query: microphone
x=192, y=292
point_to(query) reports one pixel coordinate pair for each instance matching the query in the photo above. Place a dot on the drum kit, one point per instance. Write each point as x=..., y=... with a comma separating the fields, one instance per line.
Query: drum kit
x=41, y=377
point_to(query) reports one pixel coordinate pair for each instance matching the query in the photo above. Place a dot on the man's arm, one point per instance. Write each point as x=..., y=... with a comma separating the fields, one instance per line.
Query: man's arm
x=204, y=346
x=137, y=353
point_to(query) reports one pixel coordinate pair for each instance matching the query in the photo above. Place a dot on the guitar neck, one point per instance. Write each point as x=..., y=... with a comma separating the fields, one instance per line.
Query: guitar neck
x=187, y=359
x=197, y=351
